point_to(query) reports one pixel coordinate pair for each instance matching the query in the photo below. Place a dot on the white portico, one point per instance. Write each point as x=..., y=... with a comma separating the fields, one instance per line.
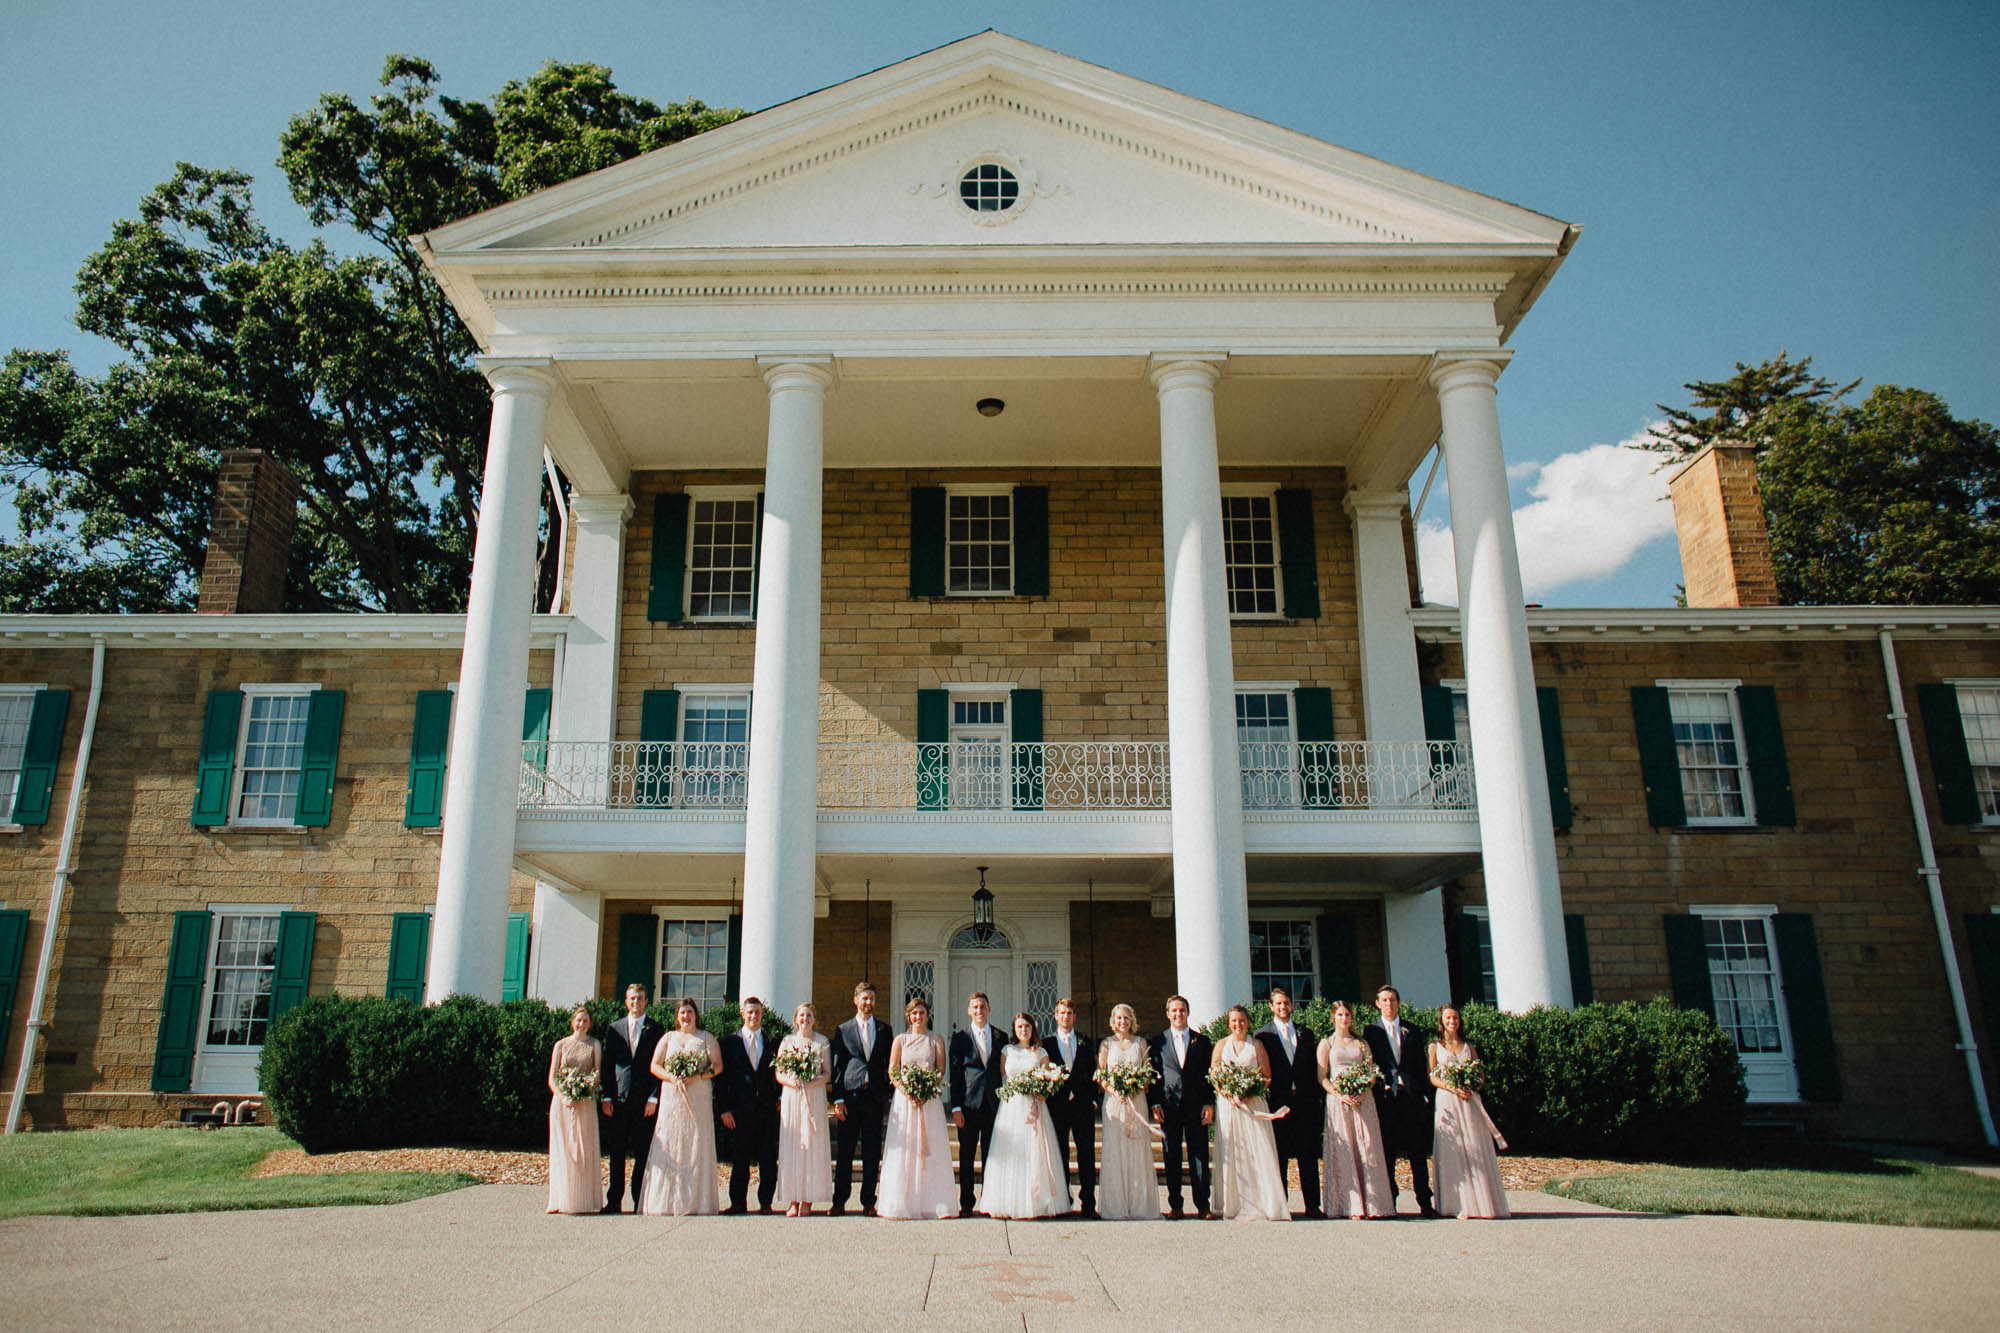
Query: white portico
x=1140, y=282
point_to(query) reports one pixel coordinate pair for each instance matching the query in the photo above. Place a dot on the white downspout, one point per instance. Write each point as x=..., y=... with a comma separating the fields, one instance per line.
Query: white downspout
x=1929, y=871
x=37, y=1021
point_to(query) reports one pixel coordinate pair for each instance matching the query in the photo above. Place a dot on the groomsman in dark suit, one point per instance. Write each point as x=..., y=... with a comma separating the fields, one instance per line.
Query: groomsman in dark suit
x=1403, y=1097
x=631, y=1095
x=1073, y=1110
x=747, y=1092
x=1294, y=1054
x=975, y=1058
x=860, y=1091
x=1185, y=1107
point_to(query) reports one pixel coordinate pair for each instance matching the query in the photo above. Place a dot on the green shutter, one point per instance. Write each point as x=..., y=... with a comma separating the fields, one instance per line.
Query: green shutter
x=1024, y=721
x=1764, y=742
x=1580, y=989
x=638, y=953
x=1440, y=721
x=1951, y=760
x=13, y=946
x=665, y=595
x=1552, y=754
x=1982, y=941
x=1319, y=771
x=757, y=557
x=732, y=974
x=933, y=740
x=1298, y=554
x=514, y=980
x=926, y=541
x=38, y=761
x=535, y=730
x=295, y=955
x=1687, y=962
x=1659, y=762
x=1806, y=1007
x=180, y=1006
x=1471, y=980
x=430, y=735
x=322, y=757
x=409, y=955
x=659, y=726
x=1031, y=541
x=218, y=759
x=1339, y=959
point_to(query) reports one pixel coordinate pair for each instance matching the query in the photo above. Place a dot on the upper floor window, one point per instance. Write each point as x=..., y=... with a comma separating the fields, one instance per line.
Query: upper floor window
x=270, y=754
x=721, y=553
x=715, y=747
x=1264, y=739
x=979, y=542
x=1715, y=773
x=17, y=706
x=979, y=737
x=1979, y=716
x=1250, y=550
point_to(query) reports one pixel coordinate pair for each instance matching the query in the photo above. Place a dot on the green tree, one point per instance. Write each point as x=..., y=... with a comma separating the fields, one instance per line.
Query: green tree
x=1890, y=501
x=351, y=368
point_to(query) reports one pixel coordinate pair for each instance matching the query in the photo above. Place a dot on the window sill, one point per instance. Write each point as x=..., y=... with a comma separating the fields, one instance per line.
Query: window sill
x=23, y=828
x=1723, y=828
x=718, y=622
x=254, y=829
x=1263, y=620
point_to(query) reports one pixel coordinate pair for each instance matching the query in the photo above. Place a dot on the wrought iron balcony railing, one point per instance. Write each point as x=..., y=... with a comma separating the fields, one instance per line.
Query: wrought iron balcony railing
x=1012, y=776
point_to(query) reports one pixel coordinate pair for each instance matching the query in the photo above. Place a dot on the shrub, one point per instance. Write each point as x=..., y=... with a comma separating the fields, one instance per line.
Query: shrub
x=364, y=1072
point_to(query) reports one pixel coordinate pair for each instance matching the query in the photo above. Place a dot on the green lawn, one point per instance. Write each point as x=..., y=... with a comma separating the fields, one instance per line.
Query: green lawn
x=1813, y=1182
x=106, y=1172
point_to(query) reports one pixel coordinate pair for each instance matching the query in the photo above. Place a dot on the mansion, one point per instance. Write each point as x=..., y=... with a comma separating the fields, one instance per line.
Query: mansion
x=989, y=565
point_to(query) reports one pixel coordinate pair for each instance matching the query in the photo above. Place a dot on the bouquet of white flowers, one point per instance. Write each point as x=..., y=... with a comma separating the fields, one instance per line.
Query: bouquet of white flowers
x=687, y=1064
x=1241, y=1082
x=1124, y=1080
x=1042, y=1081
x=1465, y=1076
x=1357, y=1078
x=800, y=1062
x=920, y=1083
x=576, y=1085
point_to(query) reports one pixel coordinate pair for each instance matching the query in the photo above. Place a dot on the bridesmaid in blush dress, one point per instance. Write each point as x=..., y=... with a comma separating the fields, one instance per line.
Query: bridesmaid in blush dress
x=1127, y=1188
x=916, y=1159
x=1468, y=1170
x=680, y=1168
x=576, y=1183
x=1357, y=1171
x=1247, y=1185
x=805, y=1162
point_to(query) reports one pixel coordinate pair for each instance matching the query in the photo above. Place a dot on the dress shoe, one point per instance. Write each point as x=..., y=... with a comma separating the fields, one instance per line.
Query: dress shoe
x=869, y=1211
x=967, y=1212
x=731, y=1211
x=1174, y=1214
x=765, y=1209
x=837, y=1210
x=1207, y=1216
x=1088, y=1215
x=610, y=1210
x=1428, y=1212
x=1315, y=1215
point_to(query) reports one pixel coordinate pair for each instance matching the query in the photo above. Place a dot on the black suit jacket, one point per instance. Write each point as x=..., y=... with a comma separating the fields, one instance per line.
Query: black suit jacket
x=855, y=1079
x=1076, y=1103
x=975, y=1086
x=1405, y=1090
x=1294, y=1080
x=1182, y=1091
x=748, y=1093
x=628, y=1069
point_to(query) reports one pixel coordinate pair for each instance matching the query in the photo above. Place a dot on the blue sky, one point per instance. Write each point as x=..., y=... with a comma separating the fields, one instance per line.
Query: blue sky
x=1823, y=177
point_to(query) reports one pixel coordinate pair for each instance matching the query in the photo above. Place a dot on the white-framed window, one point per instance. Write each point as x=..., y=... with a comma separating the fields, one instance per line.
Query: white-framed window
x=1479, y=968
x=979, y=736
x=694, y=956
x=1708, y=743
x=1250, y=551
x=722, y=552
x=1264, y=742
x=1283, y=952
x=1749, y=990
x=715, y=747
x=1979, y=716
x=242, y=969
x=17, y=709
x=979, y=541
x=270, y=751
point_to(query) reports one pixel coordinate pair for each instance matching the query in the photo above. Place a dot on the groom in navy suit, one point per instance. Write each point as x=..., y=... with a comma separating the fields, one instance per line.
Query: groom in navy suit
x=1294, y=1056
x=747, y=1093
x=1403, y=1097
x=631, y=1095
x=976, y=1057
x=1186, y=1104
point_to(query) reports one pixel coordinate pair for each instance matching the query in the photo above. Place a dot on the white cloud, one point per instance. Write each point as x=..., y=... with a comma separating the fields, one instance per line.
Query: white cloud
x=1591, y=512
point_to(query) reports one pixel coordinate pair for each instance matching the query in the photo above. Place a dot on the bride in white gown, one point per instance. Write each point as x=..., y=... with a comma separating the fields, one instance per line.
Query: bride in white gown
x=1024, y=1175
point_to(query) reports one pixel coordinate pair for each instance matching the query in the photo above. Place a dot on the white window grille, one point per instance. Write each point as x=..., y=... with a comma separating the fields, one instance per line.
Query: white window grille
x=920, y=982
x=243, y=968
x=270, y=751
x=715, y=749
x=17, y=708
x=1043, y=993
x=694, y=960
x=721, y=556
x=979, y=753
x=1979, y=716
x=1715, y=774
x=979, y=543
x=1282, y=954
x=1265, y=752
x=1250, y=551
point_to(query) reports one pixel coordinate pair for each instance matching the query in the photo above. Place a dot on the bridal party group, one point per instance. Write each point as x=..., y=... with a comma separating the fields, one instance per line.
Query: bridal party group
x=811, y=1111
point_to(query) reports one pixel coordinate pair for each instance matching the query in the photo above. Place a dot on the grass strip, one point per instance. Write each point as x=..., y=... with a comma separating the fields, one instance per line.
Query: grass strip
x=111, y=1172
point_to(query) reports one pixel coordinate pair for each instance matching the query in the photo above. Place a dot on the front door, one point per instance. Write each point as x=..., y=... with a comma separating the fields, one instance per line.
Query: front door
x=989, y=970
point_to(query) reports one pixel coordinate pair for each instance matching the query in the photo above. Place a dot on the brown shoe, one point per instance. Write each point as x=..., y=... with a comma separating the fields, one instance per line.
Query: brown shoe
x=1173, y=1214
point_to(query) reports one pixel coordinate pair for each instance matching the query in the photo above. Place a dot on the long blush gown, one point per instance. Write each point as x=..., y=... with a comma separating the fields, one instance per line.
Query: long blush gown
x=576, y=1176
x=680, y=1167
x=1128, y=1187
x=1357, y=1171
x=1024, y=1174
x=916, y=1156
x=1247, y=1183
x=805, y=1155
x=1468, y=1170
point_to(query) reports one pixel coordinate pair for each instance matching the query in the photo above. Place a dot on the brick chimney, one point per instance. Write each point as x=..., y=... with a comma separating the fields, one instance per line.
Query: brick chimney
x=249, y=535
x=1719, y=516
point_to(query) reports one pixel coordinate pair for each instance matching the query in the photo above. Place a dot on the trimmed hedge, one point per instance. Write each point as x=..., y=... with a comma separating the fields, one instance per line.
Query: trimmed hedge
x=365, y=1072
x=1599, y=1080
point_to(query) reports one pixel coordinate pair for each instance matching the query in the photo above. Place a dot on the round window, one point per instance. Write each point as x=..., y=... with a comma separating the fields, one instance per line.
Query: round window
x=989, y=188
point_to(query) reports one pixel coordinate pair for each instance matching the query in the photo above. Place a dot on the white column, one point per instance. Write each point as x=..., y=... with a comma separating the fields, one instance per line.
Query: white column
x=567, y=927
x=476, y=860
x=1211, y=897
x=1391, y=703
x=587, y=709
x=1414, y=925
x=1516, y=838
x=783, y=783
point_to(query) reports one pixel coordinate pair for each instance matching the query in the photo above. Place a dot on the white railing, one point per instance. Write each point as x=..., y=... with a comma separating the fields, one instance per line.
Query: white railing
x=1043, y=775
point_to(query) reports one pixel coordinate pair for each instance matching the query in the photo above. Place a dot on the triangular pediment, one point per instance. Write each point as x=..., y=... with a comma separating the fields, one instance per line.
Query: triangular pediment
x=1095, y=158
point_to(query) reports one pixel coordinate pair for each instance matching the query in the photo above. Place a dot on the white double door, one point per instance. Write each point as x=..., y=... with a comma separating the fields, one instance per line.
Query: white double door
x=972, y=973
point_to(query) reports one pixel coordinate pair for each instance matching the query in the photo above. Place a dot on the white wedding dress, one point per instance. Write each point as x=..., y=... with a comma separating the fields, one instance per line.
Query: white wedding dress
x=1024, y=1174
